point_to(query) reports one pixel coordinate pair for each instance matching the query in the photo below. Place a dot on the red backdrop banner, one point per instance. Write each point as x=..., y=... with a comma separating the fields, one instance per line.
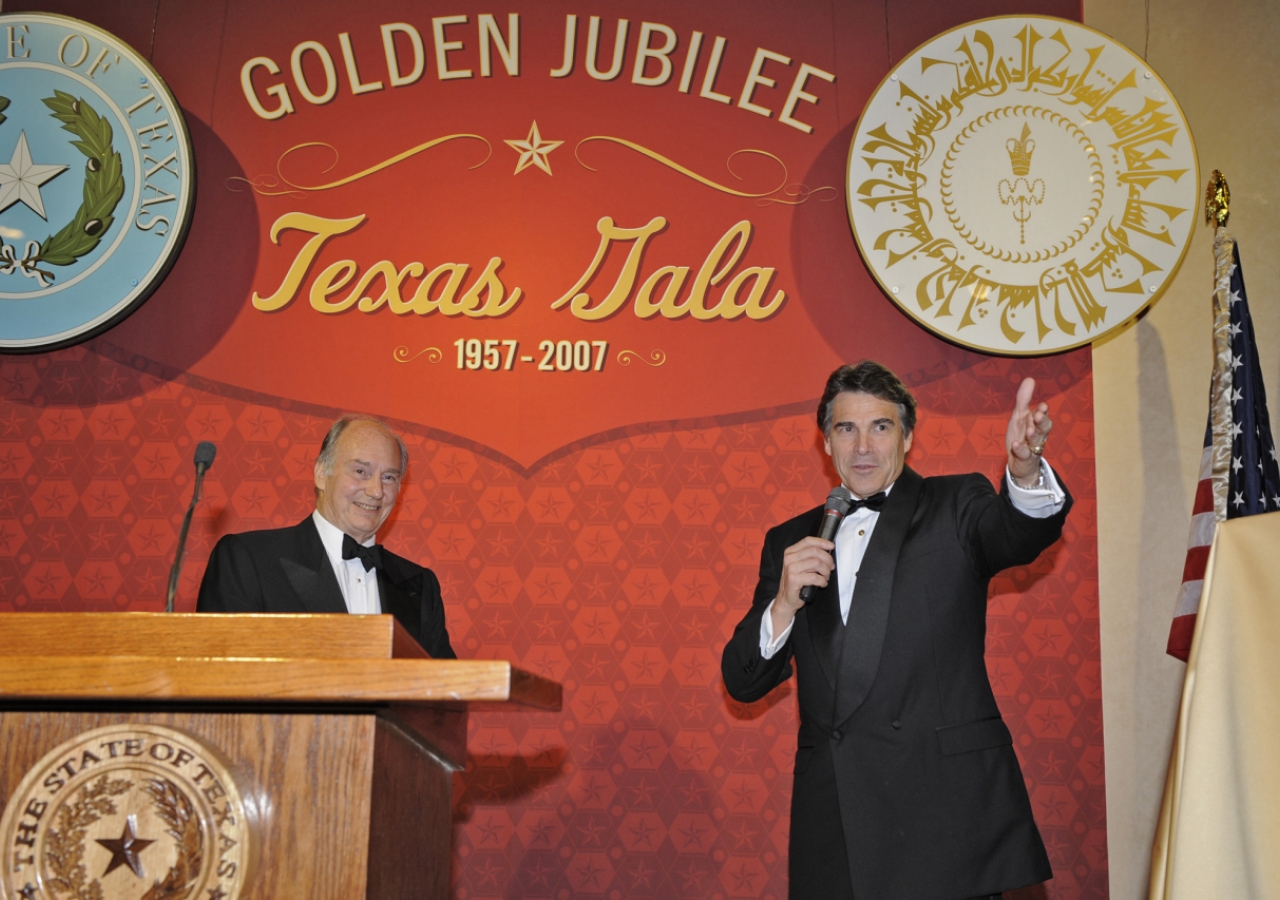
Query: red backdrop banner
x=602, y=337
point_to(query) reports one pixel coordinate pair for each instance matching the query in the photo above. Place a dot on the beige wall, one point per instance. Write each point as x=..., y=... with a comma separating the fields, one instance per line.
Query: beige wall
x=1222, y=61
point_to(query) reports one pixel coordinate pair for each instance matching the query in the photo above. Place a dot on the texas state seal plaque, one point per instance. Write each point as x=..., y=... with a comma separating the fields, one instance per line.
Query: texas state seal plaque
x=127, y=812
x=97, y=180
x=1022, y=185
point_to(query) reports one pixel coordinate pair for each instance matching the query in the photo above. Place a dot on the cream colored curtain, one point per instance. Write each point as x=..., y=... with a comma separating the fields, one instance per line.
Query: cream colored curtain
x=1219, y=830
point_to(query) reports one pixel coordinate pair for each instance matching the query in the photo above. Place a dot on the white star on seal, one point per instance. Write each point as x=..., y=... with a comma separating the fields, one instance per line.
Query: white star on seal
x=533, y=151
x=20, y=180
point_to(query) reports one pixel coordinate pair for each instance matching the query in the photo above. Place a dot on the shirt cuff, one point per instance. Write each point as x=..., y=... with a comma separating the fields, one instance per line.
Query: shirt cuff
x=769, y=645
x=1039, y=502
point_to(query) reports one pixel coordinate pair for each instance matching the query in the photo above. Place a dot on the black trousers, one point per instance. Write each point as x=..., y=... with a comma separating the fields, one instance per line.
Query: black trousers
x=812, y=875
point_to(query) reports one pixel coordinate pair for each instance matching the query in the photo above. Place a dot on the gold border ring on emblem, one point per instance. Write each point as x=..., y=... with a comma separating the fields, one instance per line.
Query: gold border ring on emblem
x=1022, y=185
x=125, y=811
x=102, y=184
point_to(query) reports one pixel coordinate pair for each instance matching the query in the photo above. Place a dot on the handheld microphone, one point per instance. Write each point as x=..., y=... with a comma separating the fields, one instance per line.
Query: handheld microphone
x=838, y=503
x=205, y=452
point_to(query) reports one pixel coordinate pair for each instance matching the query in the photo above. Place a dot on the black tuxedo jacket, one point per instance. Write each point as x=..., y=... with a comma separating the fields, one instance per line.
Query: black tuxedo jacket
x=905, y=772
x=286, y=570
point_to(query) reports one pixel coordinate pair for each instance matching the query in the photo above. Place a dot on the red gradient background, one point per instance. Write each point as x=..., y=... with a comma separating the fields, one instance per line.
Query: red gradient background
x=600, y=528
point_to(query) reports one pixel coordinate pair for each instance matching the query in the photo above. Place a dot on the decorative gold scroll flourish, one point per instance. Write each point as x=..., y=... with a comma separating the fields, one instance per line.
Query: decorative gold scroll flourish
x=265, y=184
x=402, y=354
x=625, y=357
x=763, y=198
x=804, y=193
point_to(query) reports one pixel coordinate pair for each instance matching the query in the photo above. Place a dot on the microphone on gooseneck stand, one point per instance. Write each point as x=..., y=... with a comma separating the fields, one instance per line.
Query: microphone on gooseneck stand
x=205, y=452
x=838, y=503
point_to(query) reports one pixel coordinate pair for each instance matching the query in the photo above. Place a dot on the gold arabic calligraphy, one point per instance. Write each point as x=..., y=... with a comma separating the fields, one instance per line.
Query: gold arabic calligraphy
x=1117, y=255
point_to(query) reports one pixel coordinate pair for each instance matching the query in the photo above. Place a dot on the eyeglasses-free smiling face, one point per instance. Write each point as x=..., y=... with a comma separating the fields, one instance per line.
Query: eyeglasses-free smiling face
x=361, y=490
x=866, y=442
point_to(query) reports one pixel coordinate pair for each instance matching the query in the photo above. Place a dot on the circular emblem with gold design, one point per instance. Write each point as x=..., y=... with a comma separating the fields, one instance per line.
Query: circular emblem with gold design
x=127, y=812
x=1022, y=185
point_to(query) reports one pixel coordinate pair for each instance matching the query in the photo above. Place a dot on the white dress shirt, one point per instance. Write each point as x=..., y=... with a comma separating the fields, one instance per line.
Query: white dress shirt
x=359, y=588
x=1039, y=502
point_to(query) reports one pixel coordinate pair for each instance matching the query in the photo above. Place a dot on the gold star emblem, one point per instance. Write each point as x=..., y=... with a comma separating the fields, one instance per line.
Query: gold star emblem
x=533, y=151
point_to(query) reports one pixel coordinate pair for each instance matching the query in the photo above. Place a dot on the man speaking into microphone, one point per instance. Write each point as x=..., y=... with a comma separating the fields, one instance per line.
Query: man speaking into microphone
x=906, y=783
x=329, y=562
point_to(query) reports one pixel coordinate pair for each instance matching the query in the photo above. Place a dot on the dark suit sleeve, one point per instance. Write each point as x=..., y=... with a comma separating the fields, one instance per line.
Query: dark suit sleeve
x=434, y=634
x=1000, y=535
x=747, y=675
x=231, y=583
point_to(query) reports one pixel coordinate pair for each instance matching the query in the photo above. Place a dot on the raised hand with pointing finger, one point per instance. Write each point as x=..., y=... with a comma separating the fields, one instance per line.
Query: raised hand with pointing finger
x=1028, y=430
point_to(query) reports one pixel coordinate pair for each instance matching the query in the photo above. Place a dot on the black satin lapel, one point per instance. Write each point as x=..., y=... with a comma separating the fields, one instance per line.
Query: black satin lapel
x=311, y=576
x=318, y=591
x=400, y=603
x=869, y=613
x=825, y=627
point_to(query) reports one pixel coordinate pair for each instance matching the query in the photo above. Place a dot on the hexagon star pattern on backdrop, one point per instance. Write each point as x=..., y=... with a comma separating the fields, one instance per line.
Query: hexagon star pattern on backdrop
x=618, y=569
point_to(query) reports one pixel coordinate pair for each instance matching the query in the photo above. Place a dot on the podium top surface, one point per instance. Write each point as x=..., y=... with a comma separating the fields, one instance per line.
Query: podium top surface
x=202, y=634
x=265, y=659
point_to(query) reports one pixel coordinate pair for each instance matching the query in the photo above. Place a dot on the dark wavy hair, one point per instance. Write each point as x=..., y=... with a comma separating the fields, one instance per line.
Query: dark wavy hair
x=868, y=377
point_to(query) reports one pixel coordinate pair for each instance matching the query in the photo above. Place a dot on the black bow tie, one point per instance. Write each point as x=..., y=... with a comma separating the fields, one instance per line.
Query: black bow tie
x=370, y=556
x=873, y=503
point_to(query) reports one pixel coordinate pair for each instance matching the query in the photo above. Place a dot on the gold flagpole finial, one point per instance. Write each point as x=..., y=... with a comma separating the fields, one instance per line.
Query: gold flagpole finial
x=1217, y=201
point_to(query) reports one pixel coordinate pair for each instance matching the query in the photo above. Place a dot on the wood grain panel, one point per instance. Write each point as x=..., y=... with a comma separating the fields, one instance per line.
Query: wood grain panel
x=310, y=777
x=271, y=680
x=441, y=729
x=411, y=821
x=345, y=745
x=403, y=646
x=203, y=634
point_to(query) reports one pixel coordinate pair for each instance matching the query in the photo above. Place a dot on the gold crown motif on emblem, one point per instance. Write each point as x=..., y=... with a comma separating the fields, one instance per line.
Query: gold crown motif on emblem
x=1020, y=150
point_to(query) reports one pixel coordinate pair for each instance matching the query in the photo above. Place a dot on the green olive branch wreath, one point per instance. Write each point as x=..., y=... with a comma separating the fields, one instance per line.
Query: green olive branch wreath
x=103, y=183
x=103, y=188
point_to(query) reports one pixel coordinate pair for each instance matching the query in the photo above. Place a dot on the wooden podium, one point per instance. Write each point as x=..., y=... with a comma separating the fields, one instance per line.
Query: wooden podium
x=341, y=735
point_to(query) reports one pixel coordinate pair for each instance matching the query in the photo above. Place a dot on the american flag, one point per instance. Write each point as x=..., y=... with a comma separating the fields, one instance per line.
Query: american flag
x=1238, y=471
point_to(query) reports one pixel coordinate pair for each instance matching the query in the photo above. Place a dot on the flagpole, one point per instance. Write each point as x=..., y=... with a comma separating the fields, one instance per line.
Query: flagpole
x=1215, y=741
x=1217, y=210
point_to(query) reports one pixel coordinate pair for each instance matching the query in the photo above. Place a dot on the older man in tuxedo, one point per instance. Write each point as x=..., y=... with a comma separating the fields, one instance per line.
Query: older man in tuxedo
x=329, y=562
x=906, y=783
